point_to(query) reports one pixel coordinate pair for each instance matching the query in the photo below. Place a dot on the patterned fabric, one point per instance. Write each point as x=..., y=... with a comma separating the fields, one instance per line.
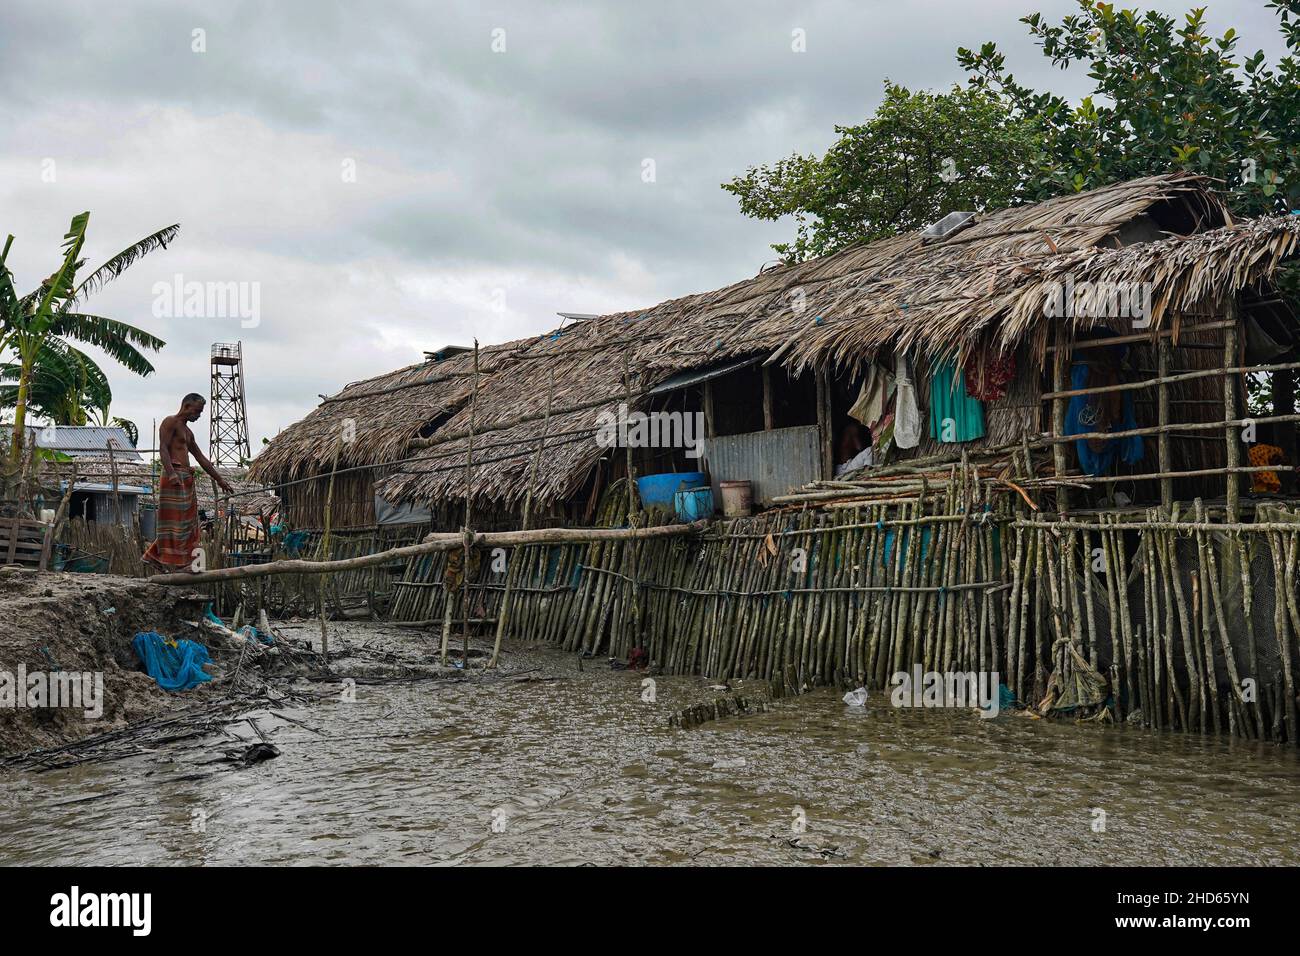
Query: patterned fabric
x=178, y=521
x=987, y=379
x=1265, y=481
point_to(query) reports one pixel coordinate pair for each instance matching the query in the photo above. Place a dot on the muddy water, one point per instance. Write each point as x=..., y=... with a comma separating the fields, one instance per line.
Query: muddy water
x=580, y=769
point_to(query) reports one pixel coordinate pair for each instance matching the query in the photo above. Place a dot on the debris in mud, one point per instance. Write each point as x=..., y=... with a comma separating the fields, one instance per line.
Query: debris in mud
x=733, y=706
x=60, y=623
x=857, y=697
x=148, y=735
x=254, y=754
x=825, y=852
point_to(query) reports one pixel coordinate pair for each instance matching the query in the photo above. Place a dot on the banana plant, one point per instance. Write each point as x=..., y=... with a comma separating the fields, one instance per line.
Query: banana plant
x=30, y=322
x=66, y=385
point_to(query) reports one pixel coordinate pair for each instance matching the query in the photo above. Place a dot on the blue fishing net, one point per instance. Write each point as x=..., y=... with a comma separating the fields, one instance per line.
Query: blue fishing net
x=174, y=665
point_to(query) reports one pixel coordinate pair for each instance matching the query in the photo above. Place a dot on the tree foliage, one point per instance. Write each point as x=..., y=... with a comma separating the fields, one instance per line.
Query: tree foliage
x=34, y=327
x=1166, y=95
x=921, y=156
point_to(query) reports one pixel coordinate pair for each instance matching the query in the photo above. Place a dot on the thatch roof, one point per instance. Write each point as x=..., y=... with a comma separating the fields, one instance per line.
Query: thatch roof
x=980, y=286
x=387, y=412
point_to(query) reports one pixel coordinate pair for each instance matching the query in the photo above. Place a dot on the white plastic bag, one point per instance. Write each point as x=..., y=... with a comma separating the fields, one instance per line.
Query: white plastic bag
x=856, y=698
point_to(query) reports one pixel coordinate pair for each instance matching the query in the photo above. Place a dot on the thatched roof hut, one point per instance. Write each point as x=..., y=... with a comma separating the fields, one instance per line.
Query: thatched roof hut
x=981, y=288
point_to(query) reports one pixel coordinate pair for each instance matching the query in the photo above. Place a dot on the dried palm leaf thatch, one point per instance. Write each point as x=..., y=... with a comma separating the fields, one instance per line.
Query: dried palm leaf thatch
x=983, y=287
x=375, y=420
x=1200, y=272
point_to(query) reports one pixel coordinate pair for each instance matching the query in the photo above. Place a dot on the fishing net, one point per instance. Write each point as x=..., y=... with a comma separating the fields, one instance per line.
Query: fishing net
x=175, y=665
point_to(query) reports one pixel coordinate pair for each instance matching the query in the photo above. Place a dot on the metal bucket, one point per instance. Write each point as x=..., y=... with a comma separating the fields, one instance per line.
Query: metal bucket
x=737, y=498
x=148, y=520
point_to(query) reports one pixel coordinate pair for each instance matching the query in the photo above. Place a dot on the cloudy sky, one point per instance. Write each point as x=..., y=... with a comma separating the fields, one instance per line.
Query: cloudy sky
x=393, y=177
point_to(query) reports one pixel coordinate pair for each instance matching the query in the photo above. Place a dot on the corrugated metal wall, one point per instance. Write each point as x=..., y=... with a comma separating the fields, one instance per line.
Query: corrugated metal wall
x=777, y=462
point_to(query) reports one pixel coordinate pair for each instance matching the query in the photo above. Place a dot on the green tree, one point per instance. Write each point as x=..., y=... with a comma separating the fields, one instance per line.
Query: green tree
x=30, y=323
x=65, y=384
x=921, y=156
x=67, y=388
x=1165, y=96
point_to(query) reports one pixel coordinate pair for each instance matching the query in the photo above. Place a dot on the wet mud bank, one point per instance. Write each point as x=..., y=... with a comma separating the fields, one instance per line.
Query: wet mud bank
x=559, y=759
x=55, y=623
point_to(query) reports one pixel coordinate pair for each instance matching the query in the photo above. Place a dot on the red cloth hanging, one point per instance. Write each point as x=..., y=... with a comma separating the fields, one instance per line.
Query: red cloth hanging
x=987, y=378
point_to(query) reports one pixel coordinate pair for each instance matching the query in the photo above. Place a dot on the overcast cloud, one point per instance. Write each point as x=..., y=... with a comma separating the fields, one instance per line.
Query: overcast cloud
x=492, y=189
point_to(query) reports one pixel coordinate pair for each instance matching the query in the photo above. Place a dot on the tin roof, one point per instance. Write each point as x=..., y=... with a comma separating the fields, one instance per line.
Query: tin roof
x=86, y=441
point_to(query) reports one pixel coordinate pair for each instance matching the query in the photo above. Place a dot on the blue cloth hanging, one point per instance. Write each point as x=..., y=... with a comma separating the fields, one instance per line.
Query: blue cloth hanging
x=954, y=415
x=1081, y=417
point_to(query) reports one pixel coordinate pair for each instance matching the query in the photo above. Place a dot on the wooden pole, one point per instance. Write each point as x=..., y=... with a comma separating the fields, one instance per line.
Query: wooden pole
x=469, y=506
x=1141, y=337
x=1060, y=359
x=434, y=544
x=1163, y=352
x=634, y=509
x=1231, y=440
x=710, y=420
x=767, y=399
x=325, y=553
x=503, y=613
x=1227, y=371
x=824, y=424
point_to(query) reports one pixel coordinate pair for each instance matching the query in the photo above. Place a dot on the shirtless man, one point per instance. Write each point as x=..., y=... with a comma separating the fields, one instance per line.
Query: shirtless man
x=176, y=441
x=177, y=542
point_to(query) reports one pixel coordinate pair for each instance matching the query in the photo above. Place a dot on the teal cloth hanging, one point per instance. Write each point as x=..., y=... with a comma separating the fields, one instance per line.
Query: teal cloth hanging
x=954, y=415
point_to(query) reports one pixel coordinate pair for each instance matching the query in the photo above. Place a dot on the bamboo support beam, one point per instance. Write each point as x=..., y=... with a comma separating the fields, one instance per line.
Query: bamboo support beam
x=1232, y=445
x=433, y=544
x=1225, y=526
x=824, y=424
x=772, y=592
x=1161, y=334
x=1165, y=462
x=1175, y=427
x=768, y=417
x=503, y=613
x=469, y=512
x=1060, y=461
x=325, y=553
x=1156, y=475
x=1170, y=379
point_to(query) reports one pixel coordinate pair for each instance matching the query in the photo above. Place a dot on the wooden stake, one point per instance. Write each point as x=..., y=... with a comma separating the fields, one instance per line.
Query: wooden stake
x=1060, y=362
x=1163, y=351
x=325, y=552
x=1230, y=412
x=469, y=506
x=503, y=611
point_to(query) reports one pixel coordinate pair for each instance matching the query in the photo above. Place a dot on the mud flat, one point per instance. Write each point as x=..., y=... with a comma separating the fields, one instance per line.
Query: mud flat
x=390, y=757
x=52, y=622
